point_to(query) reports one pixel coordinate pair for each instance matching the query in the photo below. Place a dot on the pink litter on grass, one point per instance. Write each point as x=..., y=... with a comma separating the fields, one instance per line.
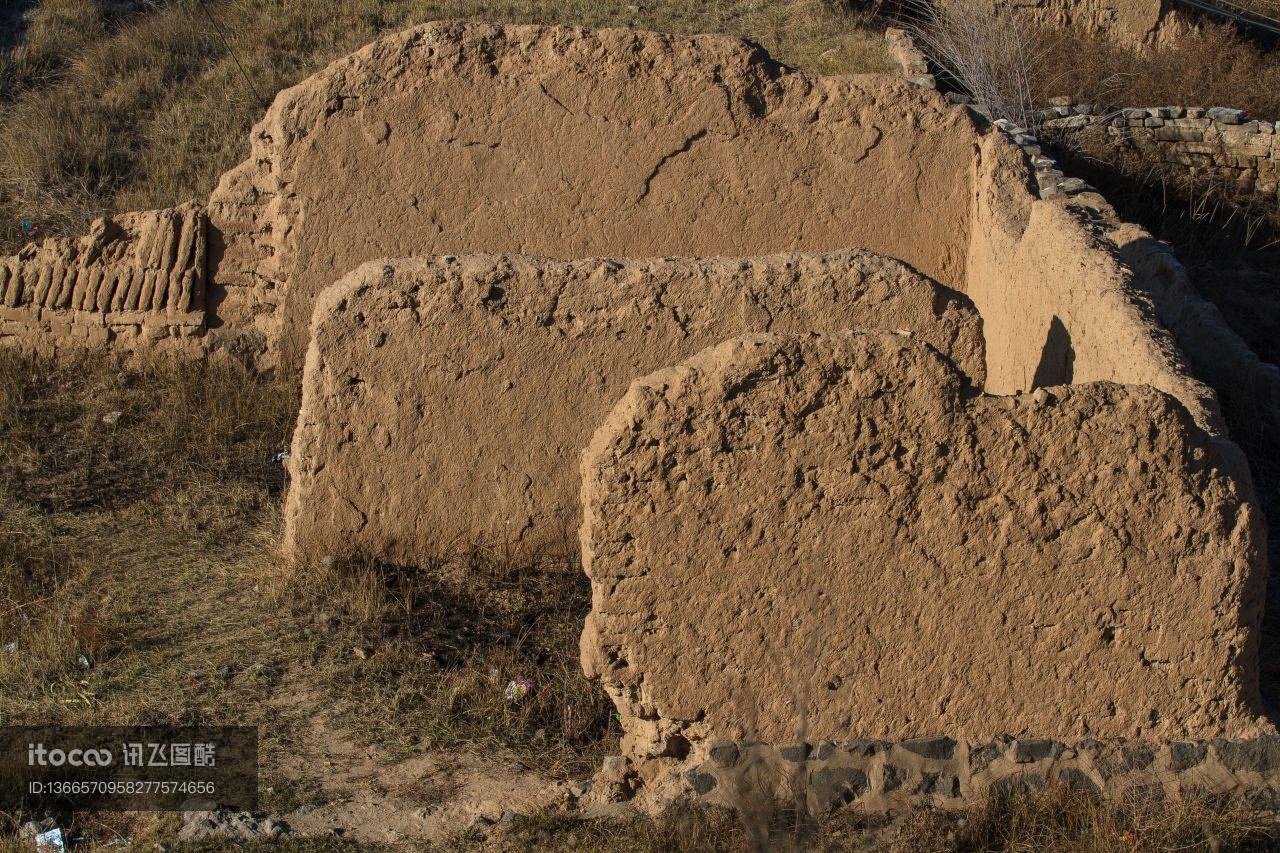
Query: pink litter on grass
x=517, y=689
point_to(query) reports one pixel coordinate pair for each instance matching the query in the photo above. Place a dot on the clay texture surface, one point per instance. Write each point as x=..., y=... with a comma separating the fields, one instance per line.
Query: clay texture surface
x=831, y=528
x=134, y=277
x=455, y=138
x=446, y=401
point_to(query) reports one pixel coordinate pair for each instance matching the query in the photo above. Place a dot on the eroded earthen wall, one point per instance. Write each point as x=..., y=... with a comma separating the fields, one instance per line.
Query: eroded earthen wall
x=445, y=401
x=460, y=138
x=1128, y=23
x=136, y=278
x=889, y=558
x=1059, y=305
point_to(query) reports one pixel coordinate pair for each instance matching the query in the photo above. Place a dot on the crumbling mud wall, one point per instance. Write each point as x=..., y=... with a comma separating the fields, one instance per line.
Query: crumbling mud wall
x=1058, y=302
x=891, y=557
x=138, y=278
x=988, y=562
x=1072, y=293
x=1129, y=23
x=461, y=138
x=445, y=401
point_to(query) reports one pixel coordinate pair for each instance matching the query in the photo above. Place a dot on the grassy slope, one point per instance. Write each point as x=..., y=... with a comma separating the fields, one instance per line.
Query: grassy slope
x=112, y=110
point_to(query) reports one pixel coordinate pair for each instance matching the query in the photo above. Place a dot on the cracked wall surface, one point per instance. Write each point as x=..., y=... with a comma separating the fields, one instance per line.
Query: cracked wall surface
x=461, y=138
x=445, y=401
x=888, y=555
x=1078, y=560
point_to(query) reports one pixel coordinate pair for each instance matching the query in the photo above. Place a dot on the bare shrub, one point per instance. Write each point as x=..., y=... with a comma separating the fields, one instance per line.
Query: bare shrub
x=1209, y=66
x=1012, y=67
x=989, y=51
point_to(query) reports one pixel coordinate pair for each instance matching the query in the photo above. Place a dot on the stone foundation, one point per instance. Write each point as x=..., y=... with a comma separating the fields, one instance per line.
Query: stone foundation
x=1240, y=152
x=879, y=775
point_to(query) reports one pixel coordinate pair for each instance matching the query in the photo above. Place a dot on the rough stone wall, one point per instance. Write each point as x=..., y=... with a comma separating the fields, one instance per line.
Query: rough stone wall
x=136, y=278
x=888, y=556
x=461, y=138
x=445, y=401
x=1243, y=153
x=878, y=775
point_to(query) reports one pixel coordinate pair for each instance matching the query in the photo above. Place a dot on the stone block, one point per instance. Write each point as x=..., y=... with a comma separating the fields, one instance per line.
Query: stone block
x=1225, y=115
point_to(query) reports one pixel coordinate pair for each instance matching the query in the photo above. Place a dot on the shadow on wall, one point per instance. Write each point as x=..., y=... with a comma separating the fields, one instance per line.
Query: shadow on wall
x=1057, y=359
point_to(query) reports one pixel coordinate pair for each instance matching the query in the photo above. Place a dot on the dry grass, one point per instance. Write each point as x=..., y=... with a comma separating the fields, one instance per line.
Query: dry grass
x=97, y=431
x=103, y=521
x=1268, y=8
x=1071, y=821
x=147, y=547
x=1054, y=819
x=146, y=110
x=438, y=646
x=1210, y=67
x=1014, y=69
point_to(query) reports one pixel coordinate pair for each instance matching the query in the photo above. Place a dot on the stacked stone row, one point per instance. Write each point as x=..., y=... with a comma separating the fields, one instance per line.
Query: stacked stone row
x=1050, y=181
x=910, y=59
x=1225, y=141
x=940, y=771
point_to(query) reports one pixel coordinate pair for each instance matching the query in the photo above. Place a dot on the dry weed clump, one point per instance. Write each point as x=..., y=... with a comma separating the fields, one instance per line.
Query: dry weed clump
x=97, y=430
x=1069, y=820
x=1211, y=66
x=1056, y=819
x=1013, y=68
x=474, y=650
x=129, y=491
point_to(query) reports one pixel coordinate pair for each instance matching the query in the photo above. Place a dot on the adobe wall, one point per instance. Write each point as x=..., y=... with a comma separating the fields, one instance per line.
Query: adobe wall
x=461, y=138
x=891, y=558
x=447, y=398
x=1058, y=302
x=137, y=279
x=458, y=138
x=1047, y=246
x=1130, y=23
x=445, y=401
